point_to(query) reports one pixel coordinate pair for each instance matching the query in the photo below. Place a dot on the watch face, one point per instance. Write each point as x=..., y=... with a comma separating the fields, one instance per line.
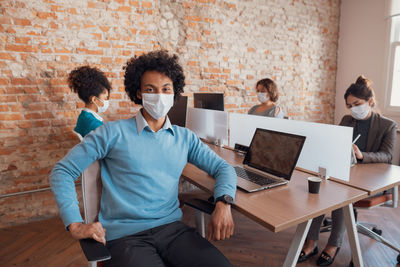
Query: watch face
x=228, y=199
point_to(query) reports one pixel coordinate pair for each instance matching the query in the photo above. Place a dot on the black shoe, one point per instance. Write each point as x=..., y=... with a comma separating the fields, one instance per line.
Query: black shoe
x=326, y=260
x=304, y=257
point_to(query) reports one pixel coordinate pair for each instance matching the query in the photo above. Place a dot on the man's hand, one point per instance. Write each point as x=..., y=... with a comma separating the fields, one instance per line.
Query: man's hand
x=357, y=152
x=92, y=230
x=221, y=223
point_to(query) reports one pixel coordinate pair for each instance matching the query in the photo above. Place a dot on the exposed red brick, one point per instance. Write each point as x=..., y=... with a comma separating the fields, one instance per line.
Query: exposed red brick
x=194, y=18
x=124, y=9
x=62, y=50
x=22, y=40
x=10, y=117
x=21, y=81
x=134, y=3
x=4, y=108
x=4, y=81
x=146, y=4
x=21, y=48
x=22, y=22
x=104, y=28
x=46, y=15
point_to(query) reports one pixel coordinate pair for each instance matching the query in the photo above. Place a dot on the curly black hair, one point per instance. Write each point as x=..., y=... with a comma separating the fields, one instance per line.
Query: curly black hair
x=88, y=81
x=159, y=61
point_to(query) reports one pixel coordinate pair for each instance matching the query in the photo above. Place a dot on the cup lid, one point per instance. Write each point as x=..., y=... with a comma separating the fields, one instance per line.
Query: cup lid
x=314, y=179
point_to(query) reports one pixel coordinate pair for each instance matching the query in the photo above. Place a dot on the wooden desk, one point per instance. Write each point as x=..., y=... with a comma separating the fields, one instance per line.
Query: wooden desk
x=288, y=205
x=373, y=178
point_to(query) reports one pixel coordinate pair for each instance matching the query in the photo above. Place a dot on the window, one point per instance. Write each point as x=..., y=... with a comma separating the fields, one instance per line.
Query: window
x=393, y=95
x=395, y=76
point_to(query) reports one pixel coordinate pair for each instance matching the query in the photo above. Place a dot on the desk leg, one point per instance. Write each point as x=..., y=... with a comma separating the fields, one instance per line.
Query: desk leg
x=297, y=244
x=353, y=235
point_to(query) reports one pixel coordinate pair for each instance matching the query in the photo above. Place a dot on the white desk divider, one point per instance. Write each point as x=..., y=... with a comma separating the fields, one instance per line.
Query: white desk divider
x=326, y=146
x=211, y=125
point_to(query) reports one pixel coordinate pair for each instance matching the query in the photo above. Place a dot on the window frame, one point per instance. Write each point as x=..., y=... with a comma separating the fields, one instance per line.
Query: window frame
x=392, y=58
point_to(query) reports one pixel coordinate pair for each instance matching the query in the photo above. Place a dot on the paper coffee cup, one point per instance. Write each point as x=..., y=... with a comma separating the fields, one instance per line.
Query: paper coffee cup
x=314, y=184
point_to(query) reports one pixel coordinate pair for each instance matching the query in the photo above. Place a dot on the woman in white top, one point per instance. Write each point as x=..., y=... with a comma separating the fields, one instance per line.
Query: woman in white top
x=267, y=94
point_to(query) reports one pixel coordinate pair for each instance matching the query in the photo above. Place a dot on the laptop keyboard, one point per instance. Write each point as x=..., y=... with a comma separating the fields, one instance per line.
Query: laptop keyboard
x=253, y=177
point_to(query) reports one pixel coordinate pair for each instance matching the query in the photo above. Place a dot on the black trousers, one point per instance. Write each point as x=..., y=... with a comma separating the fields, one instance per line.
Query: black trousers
x=174, y=244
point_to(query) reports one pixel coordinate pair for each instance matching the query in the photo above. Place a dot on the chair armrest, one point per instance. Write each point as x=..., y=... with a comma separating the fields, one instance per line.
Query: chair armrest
x=93, y=250
x=200, y=204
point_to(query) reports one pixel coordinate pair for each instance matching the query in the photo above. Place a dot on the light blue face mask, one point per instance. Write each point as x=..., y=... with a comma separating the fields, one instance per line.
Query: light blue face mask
x=158, y=105
x=106, y=104
x=262, y=97
x=360, y=112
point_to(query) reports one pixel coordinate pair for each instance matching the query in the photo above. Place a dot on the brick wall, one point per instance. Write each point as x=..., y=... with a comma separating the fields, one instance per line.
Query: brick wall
x=224, y=46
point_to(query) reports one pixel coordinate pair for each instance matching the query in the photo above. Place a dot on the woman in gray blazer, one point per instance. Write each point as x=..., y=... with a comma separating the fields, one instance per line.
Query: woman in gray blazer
x=377, y=137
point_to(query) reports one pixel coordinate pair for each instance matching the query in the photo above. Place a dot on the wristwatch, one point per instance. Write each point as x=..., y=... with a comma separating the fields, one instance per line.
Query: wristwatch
x=227, y=199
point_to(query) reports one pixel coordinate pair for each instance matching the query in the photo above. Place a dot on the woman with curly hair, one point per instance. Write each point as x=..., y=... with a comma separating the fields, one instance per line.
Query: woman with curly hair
x=93, y=89
x=142, y=160
x=267, y=94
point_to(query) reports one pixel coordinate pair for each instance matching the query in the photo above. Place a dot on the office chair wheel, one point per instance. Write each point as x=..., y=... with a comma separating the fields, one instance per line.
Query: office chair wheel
x=377, y=231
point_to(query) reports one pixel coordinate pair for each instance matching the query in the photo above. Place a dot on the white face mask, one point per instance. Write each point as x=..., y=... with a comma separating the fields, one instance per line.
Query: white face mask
x=360, y=112
x=157, y=105
x=262, y=97
x=106, y=104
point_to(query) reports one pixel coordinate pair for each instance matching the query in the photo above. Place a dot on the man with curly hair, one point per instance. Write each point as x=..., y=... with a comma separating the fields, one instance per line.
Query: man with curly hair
x=142, y=159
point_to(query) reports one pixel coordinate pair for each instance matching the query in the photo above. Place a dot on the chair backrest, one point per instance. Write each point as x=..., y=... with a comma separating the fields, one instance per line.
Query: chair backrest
x=91, y=189
x=91, y=192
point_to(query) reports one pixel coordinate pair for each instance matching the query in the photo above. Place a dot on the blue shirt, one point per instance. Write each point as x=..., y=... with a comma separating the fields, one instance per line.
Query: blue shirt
x=140, y=172
x=88, y=120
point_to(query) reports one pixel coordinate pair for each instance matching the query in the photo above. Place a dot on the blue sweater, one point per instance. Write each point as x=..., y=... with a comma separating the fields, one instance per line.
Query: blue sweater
x=88, y=120
x=140, y=172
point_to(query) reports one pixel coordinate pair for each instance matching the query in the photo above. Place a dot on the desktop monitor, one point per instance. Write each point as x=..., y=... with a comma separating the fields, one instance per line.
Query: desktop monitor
x=177, y=114
x=213, y=101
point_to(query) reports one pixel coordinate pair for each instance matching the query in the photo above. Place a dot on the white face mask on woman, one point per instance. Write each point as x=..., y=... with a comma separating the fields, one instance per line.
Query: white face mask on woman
x=157, y=105
x=360, y=112
x=106, y=104
x=262, y=97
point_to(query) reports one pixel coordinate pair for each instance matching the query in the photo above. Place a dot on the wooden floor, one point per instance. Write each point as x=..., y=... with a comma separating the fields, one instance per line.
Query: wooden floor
x=46, y=243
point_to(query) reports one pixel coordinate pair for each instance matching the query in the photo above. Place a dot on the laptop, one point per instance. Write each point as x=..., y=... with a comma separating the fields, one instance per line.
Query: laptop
x=270, y=160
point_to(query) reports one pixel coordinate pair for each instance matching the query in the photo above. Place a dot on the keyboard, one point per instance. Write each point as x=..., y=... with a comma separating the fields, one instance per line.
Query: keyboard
x=253, y=177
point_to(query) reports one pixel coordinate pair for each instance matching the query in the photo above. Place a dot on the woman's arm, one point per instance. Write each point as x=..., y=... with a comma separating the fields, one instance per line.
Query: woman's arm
x=385, y=152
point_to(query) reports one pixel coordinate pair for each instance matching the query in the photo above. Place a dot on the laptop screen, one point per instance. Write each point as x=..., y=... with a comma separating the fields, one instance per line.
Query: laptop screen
x=274, y=152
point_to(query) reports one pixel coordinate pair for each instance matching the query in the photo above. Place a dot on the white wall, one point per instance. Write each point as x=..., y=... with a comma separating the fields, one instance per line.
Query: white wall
x=362, y=49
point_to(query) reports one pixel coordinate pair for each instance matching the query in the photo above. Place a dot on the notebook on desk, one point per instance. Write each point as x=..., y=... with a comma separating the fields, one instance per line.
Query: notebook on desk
x=270, y=160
